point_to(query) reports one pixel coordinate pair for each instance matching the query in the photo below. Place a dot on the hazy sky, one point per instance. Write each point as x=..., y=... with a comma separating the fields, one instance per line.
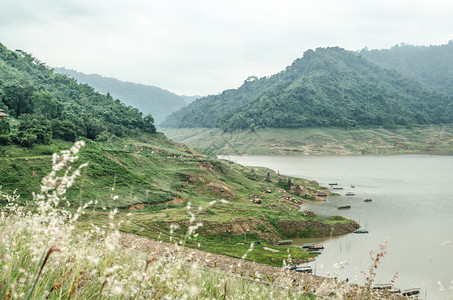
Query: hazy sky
x=206, y=46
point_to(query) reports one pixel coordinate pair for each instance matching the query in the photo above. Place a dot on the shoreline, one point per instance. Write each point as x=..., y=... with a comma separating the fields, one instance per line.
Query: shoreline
x=248, y=270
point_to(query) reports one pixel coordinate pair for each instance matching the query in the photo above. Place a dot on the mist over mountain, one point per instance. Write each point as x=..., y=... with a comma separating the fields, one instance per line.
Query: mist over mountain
x=430, y=65
x=148, y=99
x=326, y=87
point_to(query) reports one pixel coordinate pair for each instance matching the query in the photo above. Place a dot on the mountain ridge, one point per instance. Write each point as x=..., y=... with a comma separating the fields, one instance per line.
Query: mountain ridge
x=326, y=87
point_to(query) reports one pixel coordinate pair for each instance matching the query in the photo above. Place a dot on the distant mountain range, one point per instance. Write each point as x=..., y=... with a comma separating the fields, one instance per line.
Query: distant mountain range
x=335, y=87
x=430, y=65
x=148, y=99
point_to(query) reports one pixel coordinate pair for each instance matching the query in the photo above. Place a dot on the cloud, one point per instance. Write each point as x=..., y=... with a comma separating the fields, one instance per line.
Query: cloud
x=205, y=46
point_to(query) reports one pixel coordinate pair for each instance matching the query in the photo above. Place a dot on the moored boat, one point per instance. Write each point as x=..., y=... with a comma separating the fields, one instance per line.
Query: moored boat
x=345, y=206
x=304, y=269
x=308, y=245
x=410, y=292
x=382, y=286
x=315, y=247
x=350, y=194
x=361, y=231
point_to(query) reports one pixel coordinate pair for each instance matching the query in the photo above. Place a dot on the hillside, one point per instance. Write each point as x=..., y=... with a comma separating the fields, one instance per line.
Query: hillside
x=326, y=87
x=148, y=99
x=157, y=185
x=430, y=65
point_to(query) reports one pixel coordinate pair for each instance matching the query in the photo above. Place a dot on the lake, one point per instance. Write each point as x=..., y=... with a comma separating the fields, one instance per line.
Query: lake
x=411, y=208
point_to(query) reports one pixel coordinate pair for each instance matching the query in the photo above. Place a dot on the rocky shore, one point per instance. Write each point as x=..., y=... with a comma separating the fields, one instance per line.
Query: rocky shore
x=279, y=277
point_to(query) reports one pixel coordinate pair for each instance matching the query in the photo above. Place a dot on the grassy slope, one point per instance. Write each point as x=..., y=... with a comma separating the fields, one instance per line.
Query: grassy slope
x=160, y=177
x=274, y=141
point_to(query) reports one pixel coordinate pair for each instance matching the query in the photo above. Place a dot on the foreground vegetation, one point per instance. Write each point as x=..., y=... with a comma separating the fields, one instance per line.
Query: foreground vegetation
x=43, y=256
x=320, y=141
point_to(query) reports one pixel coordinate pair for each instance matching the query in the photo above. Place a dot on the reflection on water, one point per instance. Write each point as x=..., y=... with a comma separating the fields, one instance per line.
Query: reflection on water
x=411, y=208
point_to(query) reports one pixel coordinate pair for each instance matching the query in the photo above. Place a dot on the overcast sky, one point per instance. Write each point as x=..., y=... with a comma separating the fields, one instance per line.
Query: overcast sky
x=199, y=47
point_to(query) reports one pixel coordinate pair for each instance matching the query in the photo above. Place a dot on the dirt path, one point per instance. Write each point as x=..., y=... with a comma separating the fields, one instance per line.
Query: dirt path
x=321, y=286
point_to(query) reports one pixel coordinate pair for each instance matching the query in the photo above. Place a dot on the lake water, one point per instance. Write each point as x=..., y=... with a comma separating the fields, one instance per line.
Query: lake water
x=411, y=208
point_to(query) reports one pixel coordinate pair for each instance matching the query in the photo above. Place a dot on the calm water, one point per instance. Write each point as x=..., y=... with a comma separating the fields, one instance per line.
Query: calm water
x=412, y=208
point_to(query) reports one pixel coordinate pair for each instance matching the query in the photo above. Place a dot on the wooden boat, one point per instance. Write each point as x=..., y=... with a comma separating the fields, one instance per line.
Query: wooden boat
x=308, y=245
x=285, y=242
x=333, y=183
x=367, y=200
x=304, y=269
x=345, y=206
x=382, y=286
x=291, y=267
x=361, y=231
x=315, y=247
x=410, y=292
x=350, y=194
x=337, y=188
x=314, y=252
x=394, y=291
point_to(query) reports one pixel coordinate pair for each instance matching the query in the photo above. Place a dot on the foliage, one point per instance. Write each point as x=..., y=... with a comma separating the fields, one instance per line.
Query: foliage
x=327, y=87
x=44, y=105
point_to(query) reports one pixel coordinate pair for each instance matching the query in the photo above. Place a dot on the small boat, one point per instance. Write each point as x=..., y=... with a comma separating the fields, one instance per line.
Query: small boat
x=367, y=200
x=308, y=245
x=410, y=292
x=315, y=247
x=361, y=231
x=333, y=183
x=304, y=269
x=382, y=286
x=290, y=267
x=345, y=206
x=394, y=291
x=350, y=194
x=285, y=242
x=352, y=186
x=314, y=252
x=337, y=188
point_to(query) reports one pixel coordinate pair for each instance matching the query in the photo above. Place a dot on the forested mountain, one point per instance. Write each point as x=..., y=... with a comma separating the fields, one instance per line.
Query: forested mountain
x=45, y=105
x=148, y=99
x=430, y=65
x=326, y=87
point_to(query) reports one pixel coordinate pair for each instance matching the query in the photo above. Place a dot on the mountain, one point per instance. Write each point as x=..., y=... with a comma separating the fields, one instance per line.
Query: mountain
x=430, y=65
x=148, y=99
x=326, y=87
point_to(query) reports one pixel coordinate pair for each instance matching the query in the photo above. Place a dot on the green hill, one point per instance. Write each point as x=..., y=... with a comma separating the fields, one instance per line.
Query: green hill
x=148, y=99
x=430, y=65
x=157, y=184
x=326, y=87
